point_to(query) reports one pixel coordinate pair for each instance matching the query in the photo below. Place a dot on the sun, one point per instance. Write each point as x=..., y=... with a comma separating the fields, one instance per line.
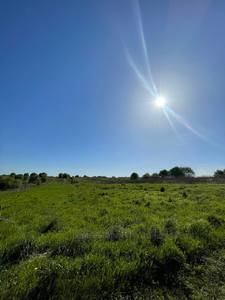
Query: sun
x=160, y=102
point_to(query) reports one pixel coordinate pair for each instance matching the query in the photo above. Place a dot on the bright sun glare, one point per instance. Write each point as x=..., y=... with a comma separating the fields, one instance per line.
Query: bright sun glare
x=160, y=101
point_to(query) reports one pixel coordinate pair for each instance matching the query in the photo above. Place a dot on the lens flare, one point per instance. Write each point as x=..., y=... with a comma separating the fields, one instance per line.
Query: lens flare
x=160, y=102
x=149, y=84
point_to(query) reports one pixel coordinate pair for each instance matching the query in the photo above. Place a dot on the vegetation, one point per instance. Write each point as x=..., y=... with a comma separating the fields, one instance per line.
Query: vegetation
x=112, y=241
x=15, y=181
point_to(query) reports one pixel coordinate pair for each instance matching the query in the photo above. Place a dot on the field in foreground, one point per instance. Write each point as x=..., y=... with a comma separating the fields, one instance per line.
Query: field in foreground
x=113, y=241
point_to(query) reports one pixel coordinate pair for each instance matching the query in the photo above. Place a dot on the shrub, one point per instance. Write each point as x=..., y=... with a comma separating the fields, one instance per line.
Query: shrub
x=170, y=227
x=162, y=190
x=67, y=245
x=193, y=248
x=16, y=250
x=33, y=178
x=43, y=177
x=134, y=176
x=157, y=238
x=168, y=263
x=184, y=194
x=214, y=221
x=114, y=234
x=9, y=182
x=51, y=226
x=200, y=229
x=146, y=176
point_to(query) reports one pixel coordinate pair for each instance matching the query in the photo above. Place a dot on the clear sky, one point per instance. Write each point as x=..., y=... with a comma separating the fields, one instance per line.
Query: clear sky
x=70, y=100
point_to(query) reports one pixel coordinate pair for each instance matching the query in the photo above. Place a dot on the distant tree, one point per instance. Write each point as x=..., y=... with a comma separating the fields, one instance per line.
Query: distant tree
x=188, y=172
x=19, y=176
x=66, y=176
x=134, y=176
x=146, y=176
x=33, y=178
x=60, y=175
x=9, y=182
x=219, y=173
x=155, y=175
x=164, y=173
x=12, y=175
x=25, y=176
x=177, y=172
x=43, y=176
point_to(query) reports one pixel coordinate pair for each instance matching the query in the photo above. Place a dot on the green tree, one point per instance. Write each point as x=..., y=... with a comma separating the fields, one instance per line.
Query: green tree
x=188, y=172
x=219, y=173
x=155, y=175
x=43, y=176
x=146, y=176
x=164, y=173
x=25, y=176
x=33, y=178
x=177, y=172
x=134, y=176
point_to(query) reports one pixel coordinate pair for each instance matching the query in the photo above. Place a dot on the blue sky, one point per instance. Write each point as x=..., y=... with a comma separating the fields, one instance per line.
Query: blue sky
x=70, y=101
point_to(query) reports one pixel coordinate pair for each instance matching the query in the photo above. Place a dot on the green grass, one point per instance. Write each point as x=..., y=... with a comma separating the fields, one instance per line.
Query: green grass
x=113, y=241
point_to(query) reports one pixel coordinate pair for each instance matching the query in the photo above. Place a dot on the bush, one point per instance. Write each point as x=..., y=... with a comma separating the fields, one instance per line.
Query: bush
x=200, y=229
x=43, y=177
x=9, y=182
x=193, y=248
x=16, y=250
x=157, y=238
x=33, y=178
x=51, y=226
x=134, y=176
x=170, y=227
x=214, y=221
x=146, y=176
x=169, y=262
x=114, y=234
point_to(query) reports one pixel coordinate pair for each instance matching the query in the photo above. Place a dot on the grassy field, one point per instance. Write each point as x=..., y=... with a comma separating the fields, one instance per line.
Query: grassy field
x=113, y=241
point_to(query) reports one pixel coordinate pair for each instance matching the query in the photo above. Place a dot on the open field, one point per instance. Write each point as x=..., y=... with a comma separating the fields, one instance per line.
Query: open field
x=113, y=241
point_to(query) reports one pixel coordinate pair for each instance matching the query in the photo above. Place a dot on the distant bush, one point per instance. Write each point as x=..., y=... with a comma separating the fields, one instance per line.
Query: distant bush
x=164, y=173
x=25, y=176
x=162, y=189
x=219, y=174
x=146, y=176
x=134, y=176
x=43, y=176
x=34, y=178
x=9, y=182
x=64, y=176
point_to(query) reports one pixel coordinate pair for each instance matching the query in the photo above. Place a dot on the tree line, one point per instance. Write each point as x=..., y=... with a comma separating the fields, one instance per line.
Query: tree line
x=16, y=180
x=175, y=172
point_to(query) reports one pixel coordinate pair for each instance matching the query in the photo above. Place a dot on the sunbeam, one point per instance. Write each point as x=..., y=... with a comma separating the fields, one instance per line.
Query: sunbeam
x=171, y=123
x=143, y=42
x=139, y=74
x=149, y=85
x=185, y=123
